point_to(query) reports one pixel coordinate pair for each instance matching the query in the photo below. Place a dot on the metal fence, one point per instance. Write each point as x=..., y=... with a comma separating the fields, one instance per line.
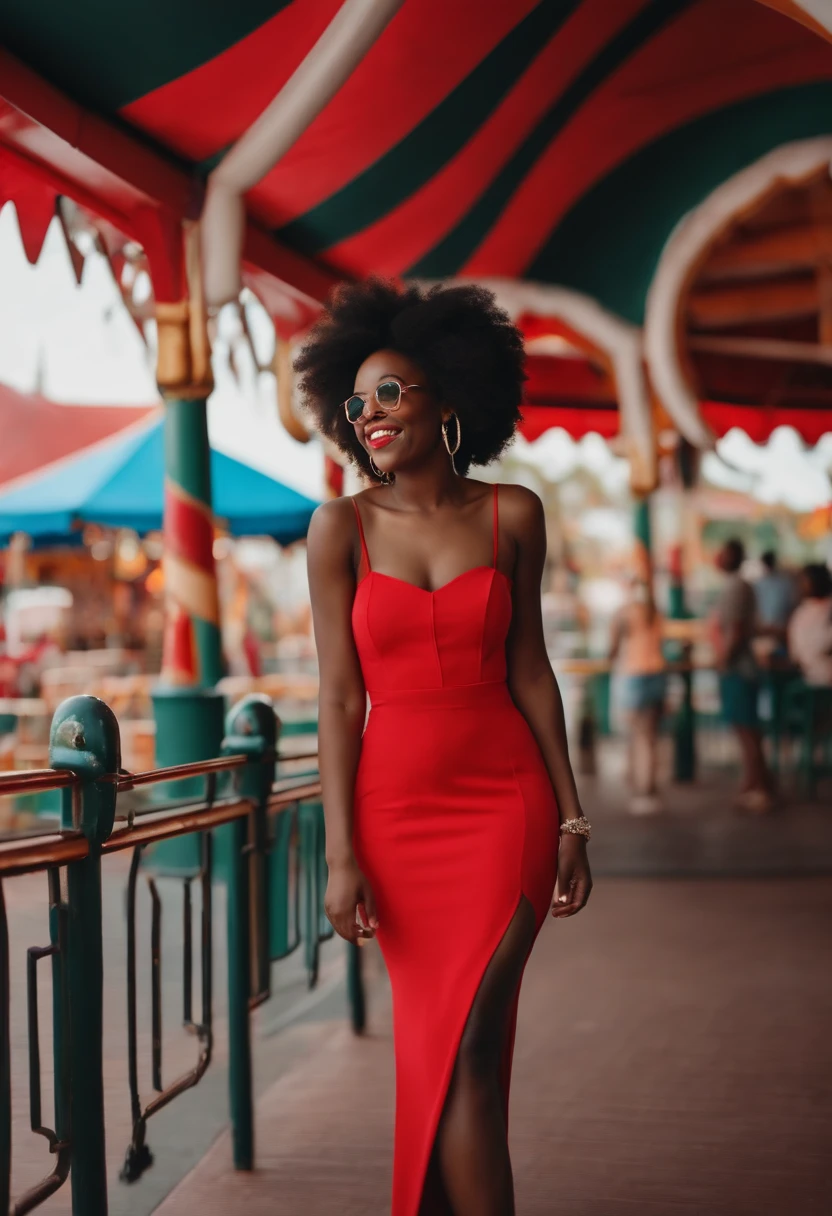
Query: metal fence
x=263, y=837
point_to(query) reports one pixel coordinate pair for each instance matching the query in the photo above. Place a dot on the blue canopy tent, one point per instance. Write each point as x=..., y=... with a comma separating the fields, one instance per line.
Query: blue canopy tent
x=120, y=484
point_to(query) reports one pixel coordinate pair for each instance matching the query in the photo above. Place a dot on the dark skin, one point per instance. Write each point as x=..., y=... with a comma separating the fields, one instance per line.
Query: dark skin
x=735, y=636
x=424, y=524
x=427, y=528
x=729, y=643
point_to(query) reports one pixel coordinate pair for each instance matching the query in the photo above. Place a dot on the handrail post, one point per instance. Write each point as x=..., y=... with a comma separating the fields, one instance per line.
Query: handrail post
x=5, y=1063
x=355, y=988
x=85, y=740
x=251, y=729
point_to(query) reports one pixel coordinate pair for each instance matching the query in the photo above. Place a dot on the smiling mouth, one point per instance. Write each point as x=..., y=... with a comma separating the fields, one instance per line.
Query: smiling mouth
x=382, y=436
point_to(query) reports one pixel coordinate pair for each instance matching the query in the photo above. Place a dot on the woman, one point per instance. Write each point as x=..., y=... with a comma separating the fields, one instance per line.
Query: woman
x=637, y=645
x=733, y=630
x=442, y=818
x=810, y=628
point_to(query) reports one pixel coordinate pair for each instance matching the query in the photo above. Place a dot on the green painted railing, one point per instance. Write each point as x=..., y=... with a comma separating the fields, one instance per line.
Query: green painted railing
x=270, y=833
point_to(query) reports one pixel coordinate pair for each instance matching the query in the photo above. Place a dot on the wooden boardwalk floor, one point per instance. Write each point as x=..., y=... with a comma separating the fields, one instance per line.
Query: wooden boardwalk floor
x=673, y=1057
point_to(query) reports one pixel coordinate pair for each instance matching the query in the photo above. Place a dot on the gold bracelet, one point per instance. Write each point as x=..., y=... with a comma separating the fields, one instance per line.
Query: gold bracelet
x=576, y=827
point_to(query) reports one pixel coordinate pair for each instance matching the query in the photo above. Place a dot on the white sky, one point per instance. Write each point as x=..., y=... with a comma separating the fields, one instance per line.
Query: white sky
x=88, y=350
x=782, y=471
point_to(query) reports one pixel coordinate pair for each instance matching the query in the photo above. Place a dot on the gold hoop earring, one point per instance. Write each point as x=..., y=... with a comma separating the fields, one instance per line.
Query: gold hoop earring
x=386, y=479
x=452, y=451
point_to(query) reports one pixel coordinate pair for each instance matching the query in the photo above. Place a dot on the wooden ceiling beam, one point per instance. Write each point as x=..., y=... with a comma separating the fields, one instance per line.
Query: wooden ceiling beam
x=744, y=304
x=761, y=348
x=773, y=252
x=824, y=280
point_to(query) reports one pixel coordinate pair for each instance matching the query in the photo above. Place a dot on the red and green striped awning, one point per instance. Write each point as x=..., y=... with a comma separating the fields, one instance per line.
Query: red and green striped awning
x=553, y=140
x=558, y=140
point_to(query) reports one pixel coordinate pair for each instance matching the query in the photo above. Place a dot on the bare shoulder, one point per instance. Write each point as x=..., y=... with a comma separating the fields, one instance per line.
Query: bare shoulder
x=332, y=528
x=520, y=509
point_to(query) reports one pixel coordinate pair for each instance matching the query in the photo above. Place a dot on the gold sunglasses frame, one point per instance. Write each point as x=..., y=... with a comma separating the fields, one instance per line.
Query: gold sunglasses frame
x=388, y=409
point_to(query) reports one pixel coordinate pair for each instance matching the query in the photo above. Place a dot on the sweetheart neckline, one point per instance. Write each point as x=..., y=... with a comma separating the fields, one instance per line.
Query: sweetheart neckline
x=393, y=578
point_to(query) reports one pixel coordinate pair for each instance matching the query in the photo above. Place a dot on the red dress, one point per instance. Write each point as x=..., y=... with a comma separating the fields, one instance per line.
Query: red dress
x=454, y=820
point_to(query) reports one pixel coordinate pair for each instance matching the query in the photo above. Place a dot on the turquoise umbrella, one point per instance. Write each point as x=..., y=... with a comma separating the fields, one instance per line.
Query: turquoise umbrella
x=120, y=484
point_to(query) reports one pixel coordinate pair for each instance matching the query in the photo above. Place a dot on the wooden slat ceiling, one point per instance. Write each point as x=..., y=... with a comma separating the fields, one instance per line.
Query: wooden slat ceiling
x=758, y=314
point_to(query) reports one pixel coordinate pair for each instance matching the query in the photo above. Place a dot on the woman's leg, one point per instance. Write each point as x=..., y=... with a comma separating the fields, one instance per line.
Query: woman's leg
x=755, y=774
x=642, y=752
x=630, y=772
x=472, y=1143
x=654, y=718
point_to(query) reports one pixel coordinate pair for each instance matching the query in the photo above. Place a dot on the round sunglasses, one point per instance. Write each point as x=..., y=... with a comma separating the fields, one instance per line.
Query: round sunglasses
x=388, y=394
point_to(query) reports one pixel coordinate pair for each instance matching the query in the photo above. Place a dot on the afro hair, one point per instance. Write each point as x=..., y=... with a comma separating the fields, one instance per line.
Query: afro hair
x=467, y=347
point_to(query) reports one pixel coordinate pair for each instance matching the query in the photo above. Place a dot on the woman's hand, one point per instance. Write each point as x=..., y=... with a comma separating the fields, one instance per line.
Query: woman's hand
x=349, y=903
x=574, y=879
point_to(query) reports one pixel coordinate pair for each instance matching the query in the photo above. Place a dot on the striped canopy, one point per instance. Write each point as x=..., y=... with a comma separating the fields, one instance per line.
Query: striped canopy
x=36, y=431
x=551, y=140
x=120, y=483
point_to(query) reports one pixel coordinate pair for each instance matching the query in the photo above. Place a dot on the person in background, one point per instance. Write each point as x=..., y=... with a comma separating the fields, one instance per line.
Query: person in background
x=8, y=667
x=810, y=628
x=776, y=595
x=564, y=615
x=637, y=646
x=734, y=626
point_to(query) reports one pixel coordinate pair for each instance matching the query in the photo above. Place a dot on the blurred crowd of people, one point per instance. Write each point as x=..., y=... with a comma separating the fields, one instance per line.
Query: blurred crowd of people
x=781, y=623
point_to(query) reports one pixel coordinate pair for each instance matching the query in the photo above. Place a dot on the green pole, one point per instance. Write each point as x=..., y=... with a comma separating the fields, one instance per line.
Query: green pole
x=684, y=727
x=61, y=1023
x=5, y=1063
x=643, y=538
x=241, y=1100
x=85, y=740
x=187, y=709
x=311, y=833
x=188, y=712
x=684, y=758
x=355, y=988
x=642, y=533
x=643, y=566
x=193, y=652
x=676, y=608
x=251, y=729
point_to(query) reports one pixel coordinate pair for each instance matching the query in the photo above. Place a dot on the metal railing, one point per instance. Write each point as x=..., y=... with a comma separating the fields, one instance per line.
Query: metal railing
x=270, y=835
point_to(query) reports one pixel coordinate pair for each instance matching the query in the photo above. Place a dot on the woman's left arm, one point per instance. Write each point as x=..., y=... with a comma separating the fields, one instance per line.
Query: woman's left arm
x=534, y=688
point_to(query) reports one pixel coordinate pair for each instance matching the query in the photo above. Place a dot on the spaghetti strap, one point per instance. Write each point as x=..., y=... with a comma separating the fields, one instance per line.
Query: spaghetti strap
x=364, y=554
x=496, y=527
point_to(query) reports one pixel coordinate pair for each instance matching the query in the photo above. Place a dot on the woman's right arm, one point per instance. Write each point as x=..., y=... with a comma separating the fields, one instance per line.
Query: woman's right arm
x=616, y=636
x=342, y=707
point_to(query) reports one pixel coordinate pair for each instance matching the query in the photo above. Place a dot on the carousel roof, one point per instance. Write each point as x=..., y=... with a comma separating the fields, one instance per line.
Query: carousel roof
x=558, y=141
x=36, y=431
x=120, y=484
